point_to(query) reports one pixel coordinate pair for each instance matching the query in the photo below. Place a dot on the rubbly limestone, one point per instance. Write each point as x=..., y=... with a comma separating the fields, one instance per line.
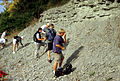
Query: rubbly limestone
x=93, y=44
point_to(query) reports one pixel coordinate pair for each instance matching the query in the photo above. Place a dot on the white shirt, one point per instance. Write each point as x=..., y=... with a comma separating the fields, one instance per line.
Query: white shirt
x=3, y=35
x=43, y=27
x=2, y=41
x=37, y=36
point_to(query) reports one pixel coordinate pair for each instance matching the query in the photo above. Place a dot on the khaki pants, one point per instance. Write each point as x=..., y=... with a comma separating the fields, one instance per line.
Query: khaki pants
x=38, y=45
x=58, y=57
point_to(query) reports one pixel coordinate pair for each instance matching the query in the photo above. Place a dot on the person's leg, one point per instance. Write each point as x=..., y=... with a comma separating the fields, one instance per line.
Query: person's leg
x=55, y=66
x=1, y=46
x=14, y=45
x=17, y=44
x=49, y=49
x=61, y=61
x=37, y=49
x=48, y=54
x=56, y=61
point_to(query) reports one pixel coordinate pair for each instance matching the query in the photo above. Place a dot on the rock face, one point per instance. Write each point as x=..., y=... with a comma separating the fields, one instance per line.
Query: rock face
x=93, y=45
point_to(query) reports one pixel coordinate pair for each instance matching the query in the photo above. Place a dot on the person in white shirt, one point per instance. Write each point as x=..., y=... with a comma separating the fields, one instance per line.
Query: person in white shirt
x=45, y=28
x=2, y=42
x=3, y=35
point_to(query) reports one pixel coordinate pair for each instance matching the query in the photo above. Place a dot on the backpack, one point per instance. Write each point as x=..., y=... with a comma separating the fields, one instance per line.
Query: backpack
x=59, y=72
x=35, y=38
x=51, y=34
x=67, y=69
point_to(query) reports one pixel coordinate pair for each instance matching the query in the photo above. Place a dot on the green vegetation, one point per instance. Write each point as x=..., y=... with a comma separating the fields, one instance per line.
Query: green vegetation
x=19, y=13
x=92, y=73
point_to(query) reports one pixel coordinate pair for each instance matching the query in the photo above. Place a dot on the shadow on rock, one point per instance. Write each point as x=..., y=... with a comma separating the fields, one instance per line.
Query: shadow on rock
x=24, y=46
x=69, y=68
x=74, y=55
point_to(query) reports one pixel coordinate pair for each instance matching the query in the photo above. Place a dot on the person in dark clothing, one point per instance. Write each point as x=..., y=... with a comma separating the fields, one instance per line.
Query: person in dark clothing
x=38, y=41
x=50, y=37
x=16, y=41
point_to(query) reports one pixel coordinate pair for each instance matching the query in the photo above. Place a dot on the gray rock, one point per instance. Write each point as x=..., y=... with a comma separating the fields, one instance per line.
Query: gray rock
x=89, y=24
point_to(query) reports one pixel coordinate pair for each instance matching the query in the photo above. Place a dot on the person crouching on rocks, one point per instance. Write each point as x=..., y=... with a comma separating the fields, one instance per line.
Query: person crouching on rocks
x=38, y=41
x=3, y=35
x=16, y=41
x=57, y=49
x=2, y=42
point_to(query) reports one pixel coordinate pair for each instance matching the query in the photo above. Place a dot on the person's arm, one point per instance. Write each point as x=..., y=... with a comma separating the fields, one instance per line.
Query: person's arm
x=58, y=43
x=21, y=41
x=59, y=46
x=64, y=38
x=41, y=38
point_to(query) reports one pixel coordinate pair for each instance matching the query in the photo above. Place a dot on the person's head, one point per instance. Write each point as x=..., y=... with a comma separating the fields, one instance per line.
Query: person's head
x=51, y=25
x=61, y=32
x=39, y=29
x=48, y=24
x=6, y=31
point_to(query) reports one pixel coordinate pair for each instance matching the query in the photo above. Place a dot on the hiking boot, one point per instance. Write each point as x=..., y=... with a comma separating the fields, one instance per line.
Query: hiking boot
x=49, y=60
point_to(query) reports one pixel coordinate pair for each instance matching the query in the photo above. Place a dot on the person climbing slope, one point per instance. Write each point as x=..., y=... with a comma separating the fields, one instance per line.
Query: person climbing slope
x=3, y=35
x=16, y=41
x=2, y=42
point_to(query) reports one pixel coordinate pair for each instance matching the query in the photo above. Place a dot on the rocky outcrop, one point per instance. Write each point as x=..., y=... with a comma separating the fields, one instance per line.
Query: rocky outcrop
x=93, y=45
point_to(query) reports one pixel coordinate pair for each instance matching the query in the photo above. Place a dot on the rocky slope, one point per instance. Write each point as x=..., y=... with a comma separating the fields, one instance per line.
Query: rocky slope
x=93, y=45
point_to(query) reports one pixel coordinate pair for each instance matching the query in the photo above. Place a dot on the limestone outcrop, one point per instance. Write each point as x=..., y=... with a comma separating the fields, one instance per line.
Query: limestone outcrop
x=93, y=44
